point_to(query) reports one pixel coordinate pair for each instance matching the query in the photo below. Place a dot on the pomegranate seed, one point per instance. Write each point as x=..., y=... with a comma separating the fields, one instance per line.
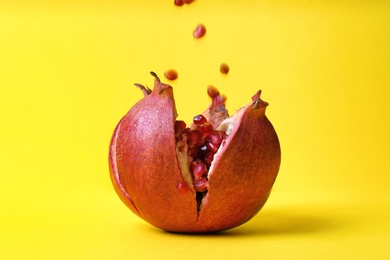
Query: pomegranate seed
x=199, y=120
x=198, y=169
x=193, y=137
x=208, y=158
x=193, y=151
x=171, y=74
x=182, y=187
x=201, y=185
x=214, y=138
x=179, y=2
x=207, y=128
x=179, y=126
x=186, y=130
x=200, y=142
x=199, y=128
x=188, y=1
x=212, y=91
x=213, y=148
x=224, y=68
x=199, y=31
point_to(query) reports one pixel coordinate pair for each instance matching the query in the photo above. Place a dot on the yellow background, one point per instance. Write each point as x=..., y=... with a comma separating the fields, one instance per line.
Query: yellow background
x=67, y=70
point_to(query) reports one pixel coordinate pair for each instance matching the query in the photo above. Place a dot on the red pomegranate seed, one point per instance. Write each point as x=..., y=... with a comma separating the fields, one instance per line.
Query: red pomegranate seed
x=199, y=120
x=179, y=2
x=200, y=142
x=201, y=185
x=224, y=68
x=199, y=31
x=214, y=138
x=212, y=91
x=193, y=151
x=207, y=128
x=171, y=74
x=198, y=169
x=213, y=148
x=199, y=128
x=182, y=187
x=193, y=137
x=208, y=158
x=188, y=1
x=179, y=126
x=186, y=130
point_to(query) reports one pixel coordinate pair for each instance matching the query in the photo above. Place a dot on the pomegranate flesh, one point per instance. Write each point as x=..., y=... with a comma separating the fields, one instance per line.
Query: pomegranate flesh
x=214, y=174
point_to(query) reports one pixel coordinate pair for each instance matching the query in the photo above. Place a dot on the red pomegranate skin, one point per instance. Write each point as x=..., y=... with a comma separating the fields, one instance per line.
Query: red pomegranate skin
x=148, y=177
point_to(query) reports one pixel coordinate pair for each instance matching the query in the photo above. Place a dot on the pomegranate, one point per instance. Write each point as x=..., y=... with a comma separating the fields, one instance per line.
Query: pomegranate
x=214, y=174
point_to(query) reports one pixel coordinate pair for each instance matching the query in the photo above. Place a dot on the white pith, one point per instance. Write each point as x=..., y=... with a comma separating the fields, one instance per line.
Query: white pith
x=184, y=162
x=227, y=125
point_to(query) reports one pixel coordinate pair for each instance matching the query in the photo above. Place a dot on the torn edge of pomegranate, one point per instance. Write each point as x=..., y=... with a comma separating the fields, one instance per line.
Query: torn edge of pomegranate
x=115, y=174
x=229, y=125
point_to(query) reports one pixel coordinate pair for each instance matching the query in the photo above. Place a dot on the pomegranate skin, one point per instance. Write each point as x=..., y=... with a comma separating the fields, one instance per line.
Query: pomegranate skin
x=150, y=179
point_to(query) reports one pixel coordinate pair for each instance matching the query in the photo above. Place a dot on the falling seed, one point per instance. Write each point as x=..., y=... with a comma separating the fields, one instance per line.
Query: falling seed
x=171, y=74
x=199, y=31
x=179, y=2
x=224, y=68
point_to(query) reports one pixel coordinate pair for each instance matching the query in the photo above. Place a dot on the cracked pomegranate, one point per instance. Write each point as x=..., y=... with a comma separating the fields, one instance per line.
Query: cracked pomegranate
x=211, y=175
